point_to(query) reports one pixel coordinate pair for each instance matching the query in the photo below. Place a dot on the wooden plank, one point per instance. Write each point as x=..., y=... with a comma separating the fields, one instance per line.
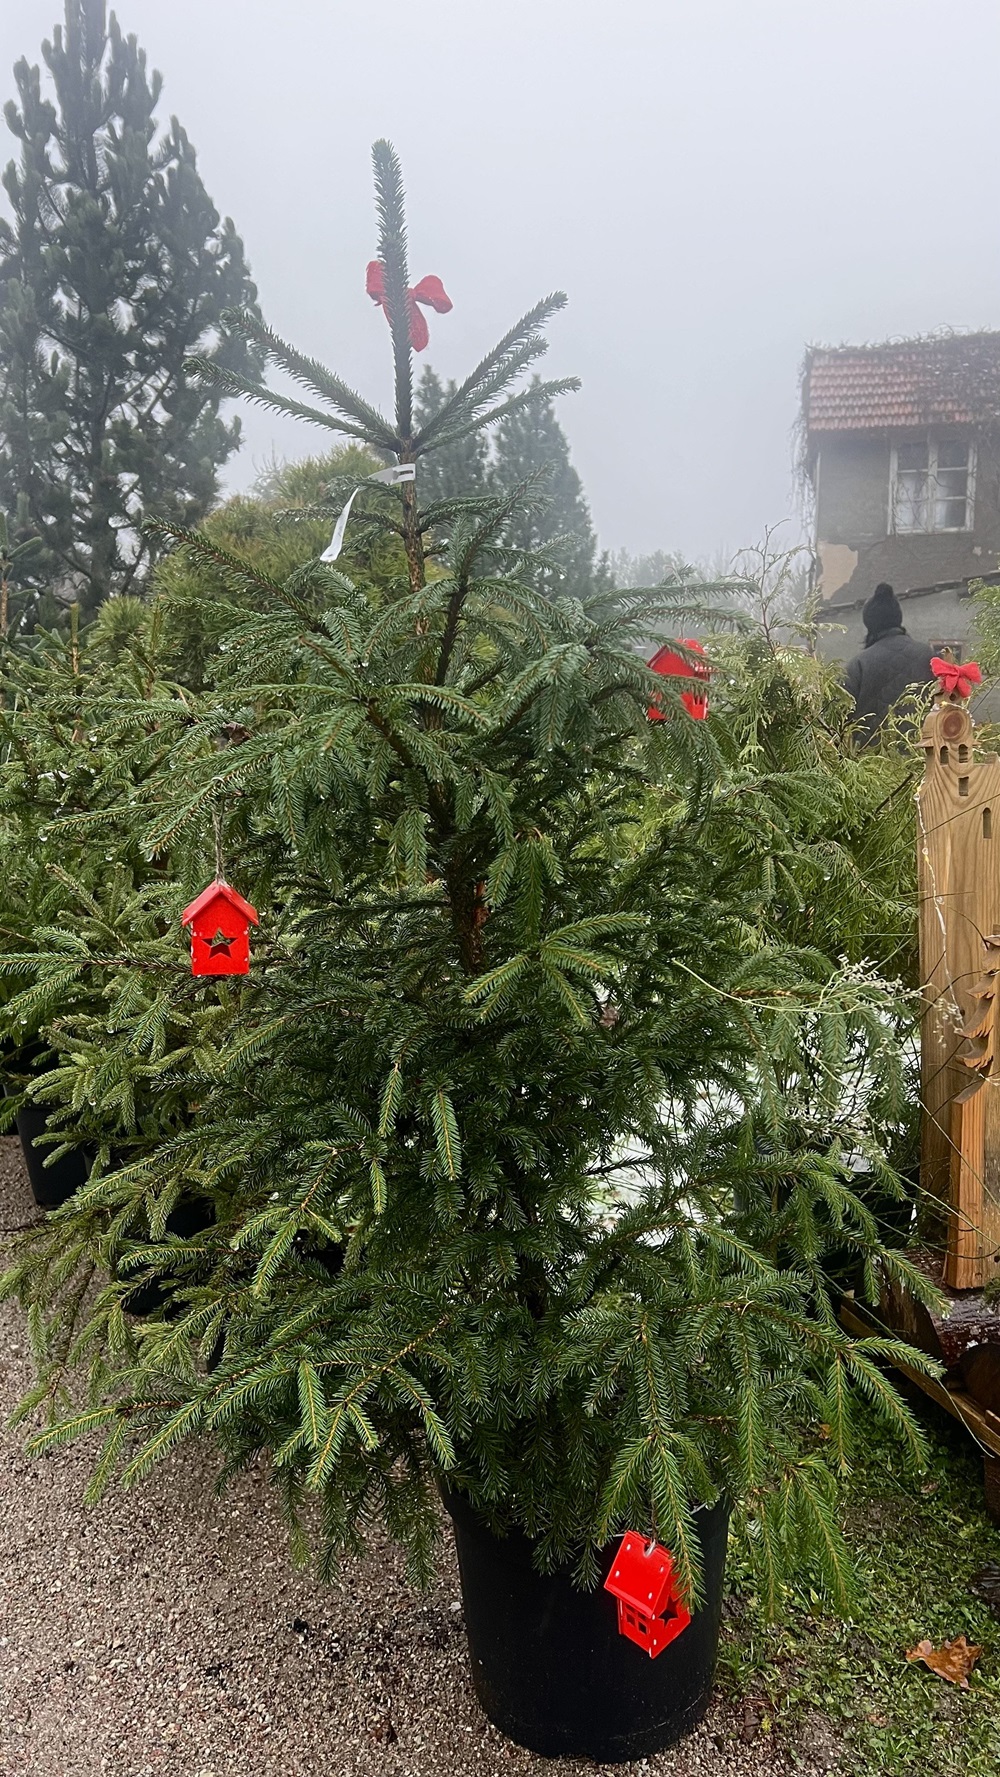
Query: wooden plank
x=959, y=886
x=981, y=1375
x=982, y=1424
x=968, y=1166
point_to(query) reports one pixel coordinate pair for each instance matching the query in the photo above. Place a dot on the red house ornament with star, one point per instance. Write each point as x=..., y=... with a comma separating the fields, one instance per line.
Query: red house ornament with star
x=671, y=665
x=220, y=922
x=651, y=1611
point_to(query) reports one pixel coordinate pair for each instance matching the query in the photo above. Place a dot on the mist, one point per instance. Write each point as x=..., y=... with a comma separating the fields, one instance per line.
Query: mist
x=714, y=187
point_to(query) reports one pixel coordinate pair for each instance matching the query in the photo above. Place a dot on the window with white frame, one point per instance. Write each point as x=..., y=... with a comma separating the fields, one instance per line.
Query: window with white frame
x=932, y=485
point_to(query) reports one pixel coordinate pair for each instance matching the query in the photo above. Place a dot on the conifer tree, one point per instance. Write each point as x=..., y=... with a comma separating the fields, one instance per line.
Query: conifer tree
x=18, y=561
x=114, y=267
x=530, y=442
x=505, y=1191
x=461, y=468
x=662, y=567
x=529, y=445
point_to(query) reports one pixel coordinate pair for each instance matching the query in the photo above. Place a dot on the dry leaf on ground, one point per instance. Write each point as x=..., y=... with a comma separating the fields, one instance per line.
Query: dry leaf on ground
x=954, y=1660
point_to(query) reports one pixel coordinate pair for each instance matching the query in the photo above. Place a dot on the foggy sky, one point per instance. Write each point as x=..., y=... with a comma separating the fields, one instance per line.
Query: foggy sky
x=715, y=185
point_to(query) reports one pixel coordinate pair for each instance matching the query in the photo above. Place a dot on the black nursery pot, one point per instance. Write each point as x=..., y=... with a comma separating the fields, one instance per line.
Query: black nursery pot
x=55, y=1184
x=190, y=1218
x=50, y=1185
x=549, y=1666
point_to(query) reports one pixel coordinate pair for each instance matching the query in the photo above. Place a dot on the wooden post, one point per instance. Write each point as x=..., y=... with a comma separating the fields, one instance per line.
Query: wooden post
x=958, y=807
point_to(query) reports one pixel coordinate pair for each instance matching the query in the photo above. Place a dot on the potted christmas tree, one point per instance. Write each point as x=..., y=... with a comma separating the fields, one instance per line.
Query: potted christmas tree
x=486, y=1124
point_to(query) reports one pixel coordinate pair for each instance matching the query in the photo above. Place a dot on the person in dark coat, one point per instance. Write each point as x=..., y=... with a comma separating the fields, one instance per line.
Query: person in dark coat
x=889, y=665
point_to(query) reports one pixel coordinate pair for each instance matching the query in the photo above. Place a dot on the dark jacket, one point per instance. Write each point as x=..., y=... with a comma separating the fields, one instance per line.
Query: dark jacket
x=882, y=673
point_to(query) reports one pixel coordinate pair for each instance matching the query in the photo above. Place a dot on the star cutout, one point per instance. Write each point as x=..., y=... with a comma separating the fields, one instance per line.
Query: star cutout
x=220, y=945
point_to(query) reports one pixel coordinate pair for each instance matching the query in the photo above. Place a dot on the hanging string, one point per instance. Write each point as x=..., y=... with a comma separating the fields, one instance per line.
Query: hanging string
x=217, y=830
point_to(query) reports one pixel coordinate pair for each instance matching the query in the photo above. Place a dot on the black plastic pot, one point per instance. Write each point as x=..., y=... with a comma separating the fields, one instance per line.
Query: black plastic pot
x=549, y=1666
x=50, y=1185
x=190, y=1218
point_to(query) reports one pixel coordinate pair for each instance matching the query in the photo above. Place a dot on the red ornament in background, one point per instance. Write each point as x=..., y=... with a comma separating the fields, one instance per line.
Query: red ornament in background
x=429, y=290
x=220, y=922
x=670, y=664
x=642, y=1579
x=956, y=681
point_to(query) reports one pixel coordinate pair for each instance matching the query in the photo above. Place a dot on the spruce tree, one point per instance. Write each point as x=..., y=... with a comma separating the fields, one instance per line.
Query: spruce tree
x=532, y=443
x=461, y=468
x=19, y=557
x=505, y=1192
x=114, y=267
x=527, y=446
x=663, y=567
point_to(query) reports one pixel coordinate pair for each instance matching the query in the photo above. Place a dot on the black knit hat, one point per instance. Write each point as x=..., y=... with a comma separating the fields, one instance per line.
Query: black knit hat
x=882, y=612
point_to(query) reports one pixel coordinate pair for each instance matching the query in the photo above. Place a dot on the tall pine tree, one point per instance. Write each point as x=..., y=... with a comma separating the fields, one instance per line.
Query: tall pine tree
x=461, y=468
x=114, y=267
x=529, y=446
x=528, y=442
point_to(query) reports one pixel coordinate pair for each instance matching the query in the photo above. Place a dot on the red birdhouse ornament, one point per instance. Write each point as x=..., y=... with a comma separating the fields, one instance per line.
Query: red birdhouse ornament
x=672, y=665
x=220, y=922
x=643, y=1581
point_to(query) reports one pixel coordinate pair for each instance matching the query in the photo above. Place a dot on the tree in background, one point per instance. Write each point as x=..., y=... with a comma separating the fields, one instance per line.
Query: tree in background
x=16, y=565
x=528, y=441
x=461, y=468
x=114, y=267
x=768, y=572
x=529, y=444
x=278, y=528
x=661, y=567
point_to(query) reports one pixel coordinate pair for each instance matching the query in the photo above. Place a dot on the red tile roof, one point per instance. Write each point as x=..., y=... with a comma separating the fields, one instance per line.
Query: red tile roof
x=951, y=380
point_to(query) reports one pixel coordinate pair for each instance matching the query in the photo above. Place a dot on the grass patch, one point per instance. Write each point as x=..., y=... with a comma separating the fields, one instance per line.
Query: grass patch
x=814, y=1679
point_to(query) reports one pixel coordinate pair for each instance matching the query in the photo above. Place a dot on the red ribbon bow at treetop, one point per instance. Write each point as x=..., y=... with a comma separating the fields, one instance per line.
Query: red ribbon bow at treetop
x=430, y=291
x=956, y=680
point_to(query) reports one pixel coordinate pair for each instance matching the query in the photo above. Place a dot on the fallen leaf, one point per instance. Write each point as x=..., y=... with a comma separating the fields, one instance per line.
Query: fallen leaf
x=954, y=1660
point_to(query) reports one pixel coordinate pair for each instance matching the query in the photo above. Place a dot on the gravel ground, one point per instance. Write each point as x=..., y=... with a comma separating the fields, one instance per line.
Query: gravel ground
x=165, y=1634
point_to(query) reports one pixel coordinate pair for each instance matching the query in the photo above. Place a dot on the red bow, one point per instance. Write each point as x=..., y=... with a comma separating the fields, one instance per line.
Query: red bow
x=429, y=290
x=956, y=678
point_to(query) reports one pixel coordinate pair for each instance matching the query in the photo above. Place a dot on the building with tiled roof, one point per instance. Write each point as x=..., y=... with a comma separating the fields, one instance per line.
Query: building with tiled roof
x=901, y=451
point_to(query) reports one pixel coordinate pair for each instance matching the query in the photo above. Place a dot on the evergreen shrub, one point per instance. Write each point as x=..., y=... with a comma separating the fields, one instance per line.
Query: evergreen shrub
x=503, y=1134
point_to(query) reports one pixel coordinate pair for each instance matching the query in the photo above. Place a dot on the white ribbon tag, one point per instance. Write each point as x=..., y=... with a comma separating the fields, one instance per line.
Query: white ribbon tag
x=396, y=473
x=391, y=477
